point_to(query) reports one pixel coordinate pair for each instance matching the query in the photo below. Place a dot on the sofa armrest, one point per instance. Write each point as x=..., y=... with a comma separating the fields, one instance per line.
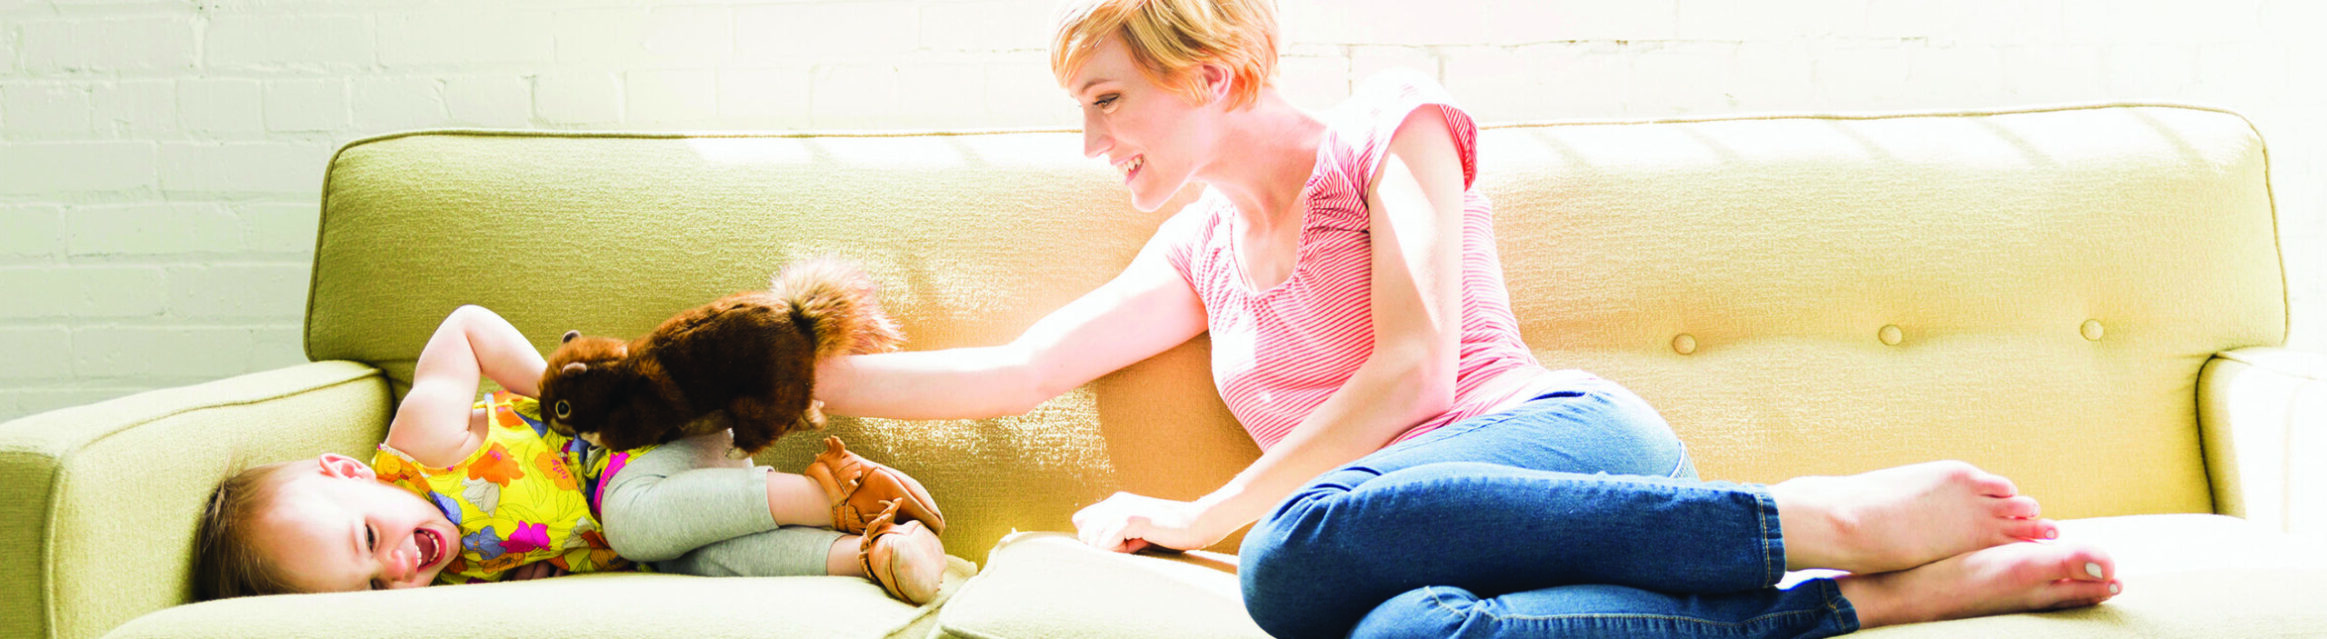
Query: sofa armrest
x=2259, y=410
x=102, y=499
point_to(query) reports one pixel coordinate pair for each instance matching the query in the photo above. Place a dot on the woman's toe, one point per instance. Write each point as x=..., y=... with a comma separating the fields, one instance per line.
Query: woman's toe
x=2031, y=529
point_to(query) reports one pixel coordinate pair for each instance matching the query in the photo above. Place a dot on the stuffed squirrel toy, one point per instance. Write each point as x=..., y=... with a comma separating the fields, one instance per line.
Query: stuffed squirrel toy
x=752, y=354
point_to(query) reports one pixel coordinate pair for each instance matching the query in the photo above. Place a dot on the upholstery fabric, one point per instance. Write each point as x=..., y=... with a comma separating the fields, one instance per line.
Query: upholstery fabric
x=593, y=605
x=2259, y=406
x=1050, y=585
x=2173, y=566
x=1789, y=252
x=98, y=526
x=2187, y=576
x=2039, y=292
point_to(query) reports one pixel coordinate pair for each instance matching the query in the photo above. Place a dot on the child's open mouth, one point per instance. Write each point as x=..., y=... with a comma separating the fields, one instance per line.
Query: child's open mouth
x=431, y=546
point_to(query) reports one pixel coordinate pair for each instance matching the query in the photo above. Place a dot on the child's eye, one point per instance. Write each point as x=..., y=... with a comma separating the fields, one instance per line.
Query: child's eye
x=371, y=538
x=375, y=584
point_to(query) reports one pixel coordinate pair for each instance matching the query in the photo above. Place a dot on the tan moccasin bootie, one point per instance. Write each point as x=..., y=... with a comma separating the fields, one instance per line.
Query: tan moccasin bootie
x=860, y=489
x=905, y=559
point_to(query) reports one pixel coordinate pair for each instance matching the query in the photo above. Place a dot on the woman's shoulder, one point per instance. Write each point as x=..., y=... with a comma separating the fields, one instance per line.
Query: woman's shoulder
x=1365, y=124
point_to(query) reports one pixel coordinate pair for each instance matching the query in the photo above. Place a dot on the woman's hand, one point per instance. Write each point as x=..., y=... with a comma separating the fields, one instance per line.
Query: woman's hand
x=535, y=570
x=1127, y=523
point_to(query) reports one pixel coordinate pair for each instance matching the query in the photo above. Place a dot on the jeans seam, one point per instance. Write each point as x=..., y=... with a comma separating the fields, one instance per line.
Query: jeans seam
x=1440, y=602
x=1680, y=461
x=1762, y=508
x=1845, y=615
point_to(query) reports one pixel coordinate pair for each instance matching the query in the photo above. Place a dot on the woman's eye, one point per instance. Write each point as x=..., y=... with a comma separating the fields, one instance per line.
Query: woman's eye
x=1104, y=102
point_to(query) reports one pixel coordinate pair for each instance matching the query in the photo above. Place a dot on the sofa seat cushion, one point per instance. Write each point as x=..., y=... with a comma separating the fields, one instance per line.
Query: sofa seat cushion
x=594, y=605
x=1050, y=585
x=2188, y=576
x=2184, y=575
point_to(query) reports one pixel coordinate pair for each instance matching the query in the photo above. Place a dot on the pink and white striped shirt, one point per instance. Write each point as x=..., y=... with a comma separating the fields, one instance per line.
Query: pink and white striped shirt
x=1279, y=353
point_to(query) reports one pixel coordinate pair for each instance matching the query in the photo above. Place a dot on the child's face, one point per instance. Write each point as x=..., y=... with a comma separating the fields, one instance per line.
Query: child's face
x=334, y=528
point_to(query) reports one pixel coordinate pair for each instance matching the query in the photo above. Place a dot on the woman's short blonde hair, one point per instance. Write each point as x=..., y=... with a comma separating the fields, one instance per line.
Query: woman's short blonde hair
x=1169, y=38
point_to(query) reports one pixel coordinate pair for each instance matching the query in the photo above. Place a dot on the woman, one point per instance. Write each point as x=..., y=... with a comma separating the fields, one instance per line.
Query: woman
x=1421, y=473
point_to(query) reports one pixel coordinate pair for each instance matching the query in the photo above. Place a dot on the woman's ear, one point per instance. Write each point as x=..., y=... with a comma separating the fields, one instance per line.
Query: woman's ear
x=1217, y=81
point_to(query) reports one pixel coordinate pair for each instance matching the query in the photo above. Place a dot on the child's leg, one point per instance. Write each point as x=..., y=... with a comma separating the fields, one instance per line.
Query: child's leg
x=683, y=495
x=789, y=551
x=795, y=500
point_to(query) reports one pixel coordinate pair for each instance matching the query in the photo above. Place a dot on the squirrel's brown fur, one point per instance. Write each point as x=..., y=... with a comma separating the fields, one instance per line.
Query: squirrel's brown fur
x=752, y=354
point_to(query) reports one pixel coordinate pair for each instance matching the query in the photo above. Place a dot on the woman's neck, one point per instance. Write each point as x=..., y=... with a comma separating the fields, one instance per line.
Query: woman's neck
x=1264, y=158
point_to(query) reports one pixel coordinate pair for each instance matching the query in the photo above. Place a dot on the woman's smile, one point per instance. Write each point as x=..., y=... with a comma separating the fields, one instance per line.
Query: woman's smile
x=1131, y=167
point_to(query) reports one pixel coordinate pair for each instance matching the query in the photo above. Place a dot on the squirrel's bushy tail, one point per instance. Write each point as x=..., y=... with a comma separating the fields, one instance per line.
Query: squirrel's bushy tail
x=839, y=305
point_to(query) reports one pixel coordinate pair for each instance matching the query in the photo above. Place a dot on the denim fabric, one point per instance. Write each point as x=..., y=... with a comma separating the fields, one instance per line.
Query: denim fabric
x=1574, y=514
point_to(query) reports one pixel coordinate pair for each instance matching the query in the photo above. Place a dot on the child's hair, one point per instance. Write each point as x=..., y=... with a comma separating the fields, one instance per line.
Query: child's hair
x=1170, y=37
x=227, y=562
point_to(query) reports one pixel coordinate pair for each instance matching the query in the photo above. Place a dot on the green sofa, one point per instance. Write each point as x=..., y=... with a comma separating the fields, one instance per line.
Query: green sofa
x=2089, y=300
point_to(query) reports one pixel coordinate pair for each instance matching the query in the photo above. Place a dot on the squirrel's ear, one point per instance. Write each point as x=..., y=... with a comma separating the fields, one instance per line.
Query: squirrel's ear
x=574, y=367
x=570, y=335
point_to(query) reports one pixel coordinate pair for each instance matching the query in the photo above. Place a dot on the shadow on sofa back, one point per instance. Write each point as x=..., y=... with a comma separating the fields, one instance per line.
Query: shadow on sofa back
x=2033, y=292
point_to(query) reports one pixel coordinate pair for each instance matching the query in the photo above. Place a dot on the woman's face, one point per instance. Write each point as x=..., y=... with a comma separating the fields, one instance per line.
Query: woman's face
x=1151, y=134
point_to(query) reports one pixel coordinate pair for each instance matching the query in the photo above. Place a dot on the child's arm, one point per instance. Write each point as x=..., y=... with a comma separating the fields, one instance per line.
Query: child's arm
x=434, y=425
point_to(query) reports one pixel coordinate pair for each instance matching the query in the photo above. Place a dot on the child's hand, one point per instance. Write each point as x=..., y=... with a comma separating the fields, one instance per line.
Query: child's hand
x=535, y=570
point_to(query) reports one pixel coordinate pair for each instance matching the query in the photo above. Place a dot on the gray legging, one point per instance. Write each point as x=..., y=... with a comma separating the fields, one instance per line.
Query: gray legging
x=686, y=508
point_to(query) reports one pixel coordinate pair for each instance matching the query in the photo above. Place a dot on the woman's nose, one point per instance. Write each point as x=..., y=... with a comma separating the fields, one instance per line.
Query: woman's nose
x=1095, y=141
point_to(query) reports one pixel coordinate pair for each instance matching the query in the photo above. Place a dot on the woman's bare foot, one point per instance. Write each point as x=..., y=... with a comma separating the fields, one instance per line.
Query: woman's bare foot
x=2014, y=577
x=1900, y=518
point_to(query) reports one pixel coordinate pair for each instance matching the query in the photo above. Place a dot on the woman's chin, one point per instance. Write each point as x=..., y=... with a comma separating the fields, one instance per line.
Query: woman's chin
x=1149, y=199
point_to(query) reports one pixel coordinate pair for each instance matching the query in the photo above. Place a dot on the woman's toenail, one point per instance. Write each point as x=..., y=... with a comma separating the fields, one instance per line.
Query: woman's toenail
x=2094, y=570
x=2051, y=534
x=2114, y=589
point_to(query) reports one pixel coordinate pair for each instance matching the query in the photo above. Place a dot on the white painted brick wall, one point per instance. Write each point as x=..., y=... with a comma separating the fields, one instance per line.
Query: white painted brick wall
x=160, y=161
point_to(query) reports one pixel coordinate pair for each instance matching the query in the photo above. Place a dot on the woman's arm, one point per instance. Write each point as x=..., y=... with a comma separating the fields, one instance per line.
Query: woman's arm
x=1416, y=206
x=433, y=424
x=1143, y=311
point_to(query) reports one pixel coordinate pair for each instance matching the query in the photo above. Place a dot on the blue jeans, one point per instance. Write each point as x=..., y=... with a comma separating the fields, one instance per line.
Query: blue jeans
x=1574, y=514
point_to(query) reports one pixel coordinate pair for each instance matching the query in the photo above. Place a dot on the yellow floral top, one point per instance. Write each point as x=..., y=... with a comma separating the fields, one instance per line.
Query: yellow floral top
x=517, y=499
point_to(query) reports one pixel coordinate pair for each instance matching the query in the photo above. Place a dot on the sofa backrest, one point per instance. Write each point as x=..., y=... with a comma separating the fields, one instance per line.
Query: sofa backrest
x=2030, y=291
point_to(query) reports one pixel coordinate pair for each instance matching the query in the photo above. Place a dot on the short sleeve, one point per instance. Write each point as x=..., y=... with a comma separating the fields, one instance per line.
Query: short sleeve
x=1384, y=101
x=1180, y=236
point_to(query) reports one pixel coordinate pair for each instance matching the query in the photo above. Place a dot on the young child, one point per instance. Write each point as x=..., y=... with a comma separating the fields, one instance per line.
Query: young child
x=467, y=491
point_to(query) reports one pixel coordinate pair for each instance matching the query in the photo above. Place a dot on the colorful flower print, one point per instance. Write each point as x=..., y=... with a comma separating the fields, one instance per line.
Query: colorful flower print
x=486, y=544
x=485, y=495
x=595, y=538
x=527, y=538
x=501, y=563
x=506, y=417
x=575, y=536
x=392, y=469
x=554, y=468
x=496, y=466
x=539, y=429
x=451, y=509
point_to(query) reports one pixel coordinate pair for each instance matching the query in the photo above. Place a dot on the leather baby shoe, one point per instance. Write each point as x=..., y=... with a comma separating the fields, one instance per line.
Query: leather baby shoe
x=905, y=559
x=858, y=487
